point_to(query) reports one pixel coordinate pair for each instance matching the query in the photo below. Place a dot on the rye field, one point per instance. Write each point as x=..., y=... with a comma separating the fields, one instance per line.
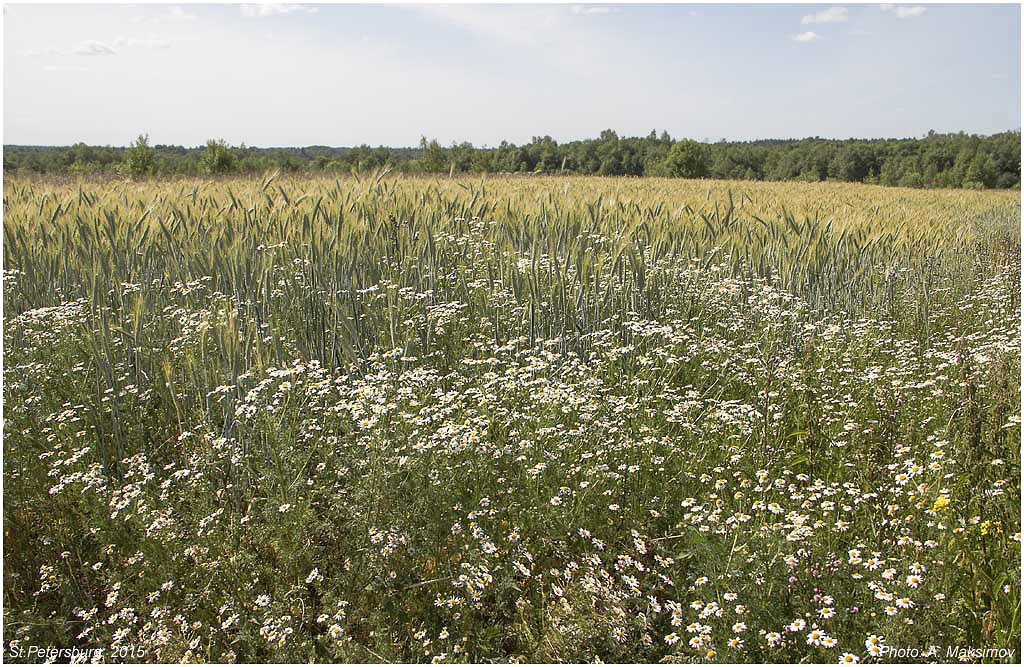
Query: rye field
x=511, y=419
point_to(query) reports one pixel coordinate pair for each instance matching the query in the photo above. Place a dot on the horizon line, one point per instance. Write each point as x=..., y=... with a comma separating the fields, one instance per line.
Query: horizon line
x=563, y=142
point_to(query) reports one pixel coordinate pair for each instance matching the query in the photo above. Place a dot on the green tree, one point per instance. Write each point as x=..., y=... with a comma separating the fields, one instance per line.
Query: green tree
x=432, y=157
x=140, y=159
x=218, y=158
x=848, y=164
x=688, y=159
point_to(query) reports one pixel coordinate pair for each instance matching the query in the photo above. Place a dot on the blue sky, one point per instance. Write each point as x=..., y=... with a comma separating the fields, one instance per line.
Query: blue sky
x=276, y=75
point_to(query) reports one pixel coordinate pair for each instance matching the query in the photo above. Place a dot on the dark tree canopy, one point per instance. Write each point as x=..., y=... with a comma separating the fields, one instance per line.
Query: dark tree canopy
x=688, y=159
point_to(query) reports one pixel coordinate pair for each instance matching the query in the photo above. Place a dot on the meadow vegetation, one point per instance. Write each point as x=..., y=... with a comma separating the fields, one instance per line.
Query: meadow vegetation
x=494, y=419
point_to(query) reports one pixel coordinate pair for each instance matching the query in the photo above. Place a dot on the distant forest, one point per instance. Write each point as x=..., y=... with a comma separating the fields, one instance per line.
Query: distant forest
x=938, y=160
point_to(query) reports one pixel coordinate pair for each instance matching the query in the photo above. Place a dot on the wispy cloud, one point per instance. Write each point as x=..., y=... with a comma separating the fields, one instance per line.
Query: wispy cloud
x=555, y=33
x=524, y=25
x=831, y=15
x=92, y=47
x=595, y=11
x=65, y=68
x=903, y=11
x=266, y=9
x=174, y=14
x=36, y=53
x=178, y=14
x=806, y=37
x=147, y=43
x=95, y=47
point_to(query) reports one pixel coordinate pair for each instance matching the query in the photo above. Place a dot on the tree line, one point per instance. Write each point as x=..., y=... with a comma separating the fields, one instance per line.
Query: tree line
x=937, y=160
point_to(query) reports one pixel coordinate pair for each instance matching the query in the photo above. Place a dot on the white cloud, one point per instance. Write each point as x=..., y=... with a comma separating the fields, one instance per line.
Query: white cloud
x=904, y=12
x=64, y=68
x=806, y=36
x=178, y=14
x=832, y=15
x=524, y=25
x=266, y=9
x=92, y=47
x=150, y=42
x=35, y=53
x=173, y=14
x=554, y=33
x=593, y=11
x=95, y=47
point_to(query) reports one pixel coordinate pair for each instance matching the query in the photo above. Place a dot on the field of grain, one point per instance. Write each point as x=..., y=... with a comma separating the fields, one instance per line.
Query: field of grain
x=527, y=419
